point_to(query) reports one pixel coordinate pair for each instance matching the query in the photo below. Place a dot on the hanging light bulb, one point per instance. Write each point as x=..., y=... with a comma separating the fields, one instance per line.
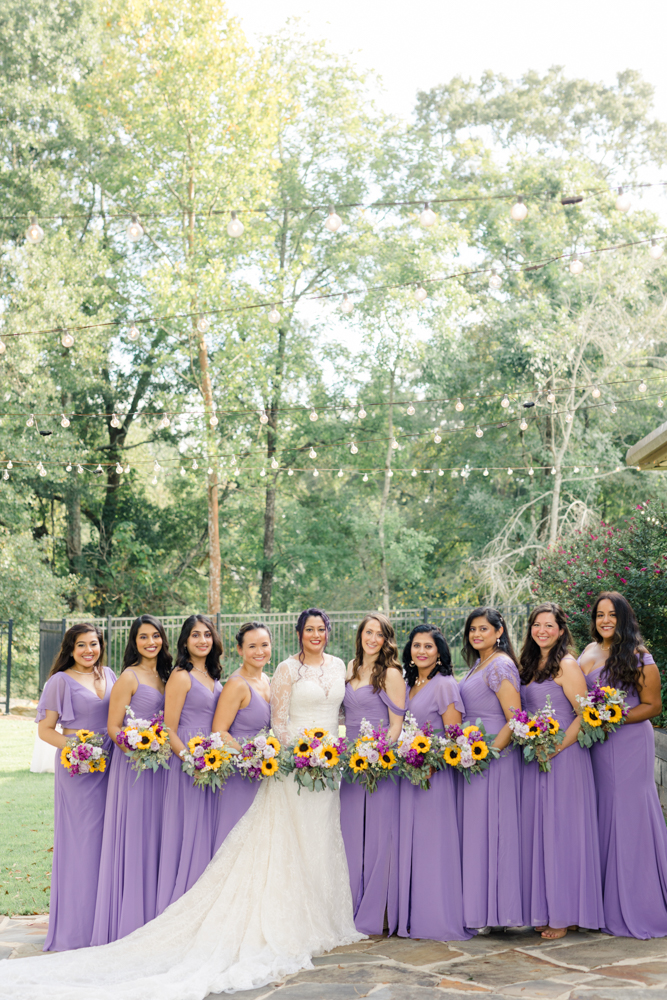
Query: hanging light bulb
x=519, y=211
x=156, y=466
x=596, y=392
x=182, y=471
x=551, y=397
x=428, y=217
x=479, y=432
x=68, y=467
x=209, y=471
x=99, y=470
x=394, y=444
x=642, y=386
x=441, y=472
x=274, y=464
x=523, y=426
x=165, y=422
x=115, y=422
x=30, y=422
x=195, y=464
x=127, y=468
x=79, y=469
x=568, y=417
x=486, y=472
x=531, y=471
x=315, y=473
x=365, y=477
x=420, y=293
x=660, y=403
x=3, y=347
x=436, y=438
x=5, y=475
x=340, y=473
x=154, y=480
x=67, y=340
x=390, y=473
x=10, y=465
x=64, y=422
x=290, y=472
x=34, y=233
x=510, y=472
x=235, y=227
x=42, y=471
x=263, y=473
x=135, y=230
x=414, y=472
x=347, y=305
x=263, y=419
x=410, y=410
x=576, y=469
x=312, y=453
x=459, y=406
x=133, y=332
x=213, y=421
x=333, y=221
x=596, y=470
x=576, y=266
x=203, y=324
x=656, y=250
x=119, y=468
x=274, y=315
x=353, y=448
x=313, y=415
x=505, y=402
x=495, y=281
x=613, y=408
x=362, y=413
x=622, y=201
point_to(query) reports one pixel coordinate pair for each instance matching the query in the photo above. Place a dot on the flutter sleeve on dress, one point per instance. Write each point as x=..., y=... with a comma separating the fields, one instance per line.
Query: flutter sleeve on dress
x=502, y=669
x=281, y=693
x=56, y=697
x=647, y=658
x=386, y=700
x=447, y=693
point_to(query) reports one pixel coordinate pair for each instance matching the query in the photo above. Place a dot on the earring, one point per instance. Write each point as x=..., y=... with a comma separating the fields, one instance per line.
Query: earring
x=439, y=663
x=412, y=663
x=498, y=641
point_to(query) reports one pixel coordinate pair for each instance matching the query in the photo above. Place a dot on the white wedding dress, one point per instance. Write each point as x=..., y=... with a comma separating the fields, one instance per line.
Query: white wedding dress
x=276, y=893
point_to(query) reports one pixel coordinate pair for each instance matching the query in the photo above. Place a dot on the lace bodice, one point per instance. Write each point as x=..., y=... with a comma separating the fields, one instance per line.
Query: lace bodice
x=303, y=696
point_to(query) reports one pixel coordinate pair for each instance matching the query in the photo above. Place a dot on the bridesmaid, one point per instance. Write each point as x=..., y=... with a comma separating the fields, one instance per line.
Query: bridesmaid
x=430, y=903
x=77, y=697
x=375, y=691
x=633, y=838
x=562, y=886
x=242, y=711
x=189, y=814
x=127, y=888
x=490, y=805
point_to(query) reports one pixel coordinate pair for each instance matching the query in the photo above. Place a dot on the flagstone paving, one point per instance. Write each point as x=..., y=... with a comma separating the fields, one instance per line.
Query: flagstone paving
x=518, y=964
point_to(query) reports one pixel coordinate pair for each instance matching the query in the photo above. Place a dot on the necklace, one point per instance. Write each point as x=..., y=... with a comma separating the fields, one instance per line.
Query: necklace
x=482, y=662
x=199, y=670
x=420, y=681
x=84, y=673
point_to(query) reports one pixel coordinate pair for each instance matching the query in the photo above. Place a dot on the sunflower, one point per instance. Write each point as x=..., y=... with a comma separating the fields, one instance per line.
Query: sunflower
x=470, y=729
x=421, y=744
x=328, y=756
x=213, y=759
x=388, y=760
x=479, y=750
x=358, y=763
x=452, y=755
x=615, y=713
x=66, y=757
x=609, y=691
x=102, y=764
x=271, y=741
x=554, y=725
x=533, y=729
x=302, y=748
x=196, y=741
x=159, y=734
x=145, y=739
x=317, y=733
x=84, y=734
x=269, y=767
x=592, y=717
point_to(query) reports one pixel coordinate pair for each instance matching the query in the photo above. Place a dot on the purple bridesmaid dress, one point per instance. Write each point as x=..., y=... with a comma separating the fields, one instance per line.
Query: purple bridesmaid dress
x=559, y=831
x=430, y=903
x=127, y=887
x=633, y=837
x=369, y=823
x=489, y=810
x=238, y=793
x=79, y=802
x=189, y=813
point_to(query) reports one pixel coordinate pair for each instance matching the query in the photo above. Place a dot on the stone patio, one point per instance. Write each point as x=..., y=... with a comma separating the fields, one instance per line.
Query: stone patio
x=583, y=966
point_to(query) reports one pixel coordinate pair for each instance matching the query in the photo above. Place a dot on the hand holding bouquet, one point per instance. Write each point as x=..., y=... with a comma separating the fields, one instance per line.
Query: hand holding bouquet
x=315, y=760
x=539, y=735
x=84, y=753
x=468, y=749
x=371, y=759
x=146, y=741
x=603, y=710
x=419, y=752
x=208, y=761
x=261, y=757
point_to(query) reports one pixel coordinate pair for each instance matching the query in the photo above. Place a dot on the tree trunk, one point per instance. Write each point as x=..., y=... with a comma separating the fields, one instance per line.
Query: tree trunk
x=384, y=575
x=73, y=538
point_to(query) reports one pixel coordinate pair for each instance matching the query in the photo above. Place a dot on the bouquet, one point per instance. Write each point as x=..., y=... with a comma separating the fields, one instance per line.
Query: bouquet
x=208, y=761
x=371, y=758
x=603, y=710
x=146, y=742
x=539, y=734
x=84, y=753
x=261, y=757
x=315, y=760
x=419, y=752
x=469, y=750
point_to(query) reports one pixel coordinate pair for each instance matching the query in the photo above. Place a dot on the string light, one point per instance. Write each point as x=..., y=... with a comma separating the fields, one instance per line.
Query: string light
x=333, y=221
x=479, y=432
x=209, y=471
x=165, y=422
x=486, y=472
x=133, y=332
x=660, y=403
x=436, y=438
x=274, y=464
x=68, y=467
x=30, y=422
x=553, y=470
x=315, y=473
x=263, y=419
x=263, y=473
x=203, y=324
x=347, y=305
x=362, y=413
x=428, y=217
x=531, y=471
x=313, y=415
x=576, y=266
x=656, y=250
x=182, y=470
x=119, y=469
x=568, y=417
x=394, y=444
x=642, y=386
x=195, y=464
x=34, y=233
x=505, y=402
x=67, y=340
x=64, y=422
x=519, y=211
x=127, y=469
x=340, y=473
x=274, y=315
x=99, y=469
x=551, y=397
x=365, y=477
x=495, y=281
x=441, y=472
x=115, y=422
x=156, y=466
x=3, y=347
x=79, y=469
x=154, y=480
x=290, y=472
x=623, y=201
x=510, y=472
x=5, y=475
x=353, y=448
x=459, y=406
x=420, y=293
x=596, y=392
x=135, y=230
x=414, y=472
x=235, y=227
x=523, y=426
x=576, y=469
x=213, y=421
x=613, y=408
x=389, y=473
x=410, y=410
x=10, y=465
x=312, y=453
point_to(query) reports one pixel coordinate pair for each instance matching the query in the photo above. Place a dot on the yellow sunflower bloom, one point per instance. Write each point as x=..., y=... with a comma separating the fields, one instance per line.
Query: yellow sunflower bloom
x=533, y=729
x=213, y=759
x=146, y=737
x=358, y=763
x=422, y=744
x=470, y=729
x=316, y=734
x=302, y=748
x=609, y=691
x=479, y=750
x=66, y=757
x=592, y=717
x=554, y=725
x=159, y=734
x=102, y=764
x=453, y=755
x=271, y=741
x=84, y=734
x=196, y=741
x=388, y=760
x=615, y=713
x=328, y=755
x=269, y=767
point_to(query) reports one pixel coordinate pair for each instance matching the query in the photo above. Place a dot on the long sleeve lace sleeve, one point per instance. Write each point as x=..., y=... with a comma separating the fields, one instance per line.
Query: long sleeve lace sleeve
x=281, y=693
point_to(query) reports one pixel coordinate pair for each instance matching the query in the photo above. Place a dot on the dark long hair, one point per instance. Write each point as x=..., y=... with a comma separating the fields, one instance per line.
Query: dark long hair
x=250, y=627
x=301, y=624
x=623, y=668
x=64, y=660
x=386, y=658
x=529, y=666
x=444, y=656
x=213, y=667
x=495, y=620
x=131, y=655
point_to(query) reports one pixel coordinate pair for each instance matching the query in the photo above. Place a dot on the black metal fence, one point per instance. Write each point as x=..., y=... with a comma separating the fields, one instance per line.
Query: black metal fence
x=6, y=630
x=344, y=627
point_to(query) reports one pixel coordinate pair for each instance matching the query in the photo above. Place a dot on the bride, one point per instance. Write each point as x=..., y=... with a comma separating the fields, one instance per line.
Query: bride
x=276, y=893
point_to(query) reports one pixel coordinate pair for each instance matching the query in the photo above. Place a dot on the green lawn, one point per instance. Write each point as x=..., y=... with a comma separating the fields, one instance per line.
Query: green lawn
x=26, y=823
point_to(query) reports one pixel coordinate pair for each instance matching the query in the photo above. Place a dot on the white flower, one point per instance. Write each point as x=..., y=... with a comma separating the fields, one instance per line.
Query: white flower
x=269, y=752
x=84, y=767
x=260, y=742
x=155, y=746
x=372, y=756
x=97, y=753
x=462, y=741
x=366, y=729
x=199, y=751
x=466, y=759
x=364, y=749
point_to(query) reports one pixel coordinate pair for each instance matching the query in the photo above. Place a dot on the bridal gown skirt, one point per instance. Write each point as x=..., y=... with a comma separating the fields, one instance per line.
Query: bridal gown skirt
x=276, y=893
